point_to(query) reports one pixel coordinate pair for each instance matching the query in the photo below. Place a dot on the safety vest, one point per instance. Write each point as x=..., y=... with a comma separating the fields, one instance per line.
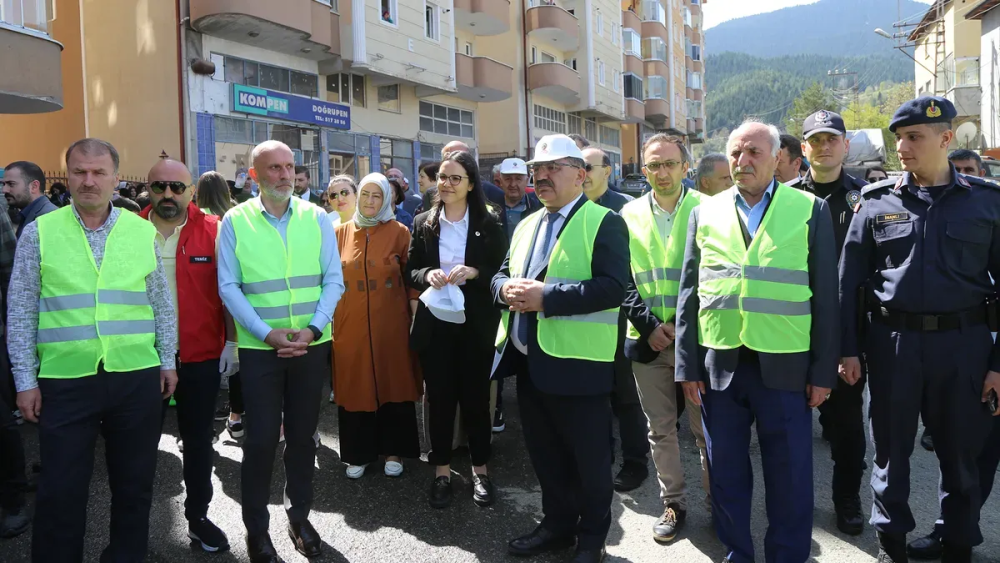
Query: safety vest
x=282, y=282
x=590, y=336
x=656, y=268
x=89, y=315
x=756, y=297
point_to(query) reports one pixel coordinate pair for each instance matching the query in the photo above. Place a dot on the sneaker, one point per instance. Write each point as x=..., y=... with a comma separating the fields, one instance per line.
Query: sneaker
x=13, y=524
x=499, y=424
x=666, y=528
x=222, y=413
x=208, y=535
x=393, y=469
x=356, y=471
x=235, y=427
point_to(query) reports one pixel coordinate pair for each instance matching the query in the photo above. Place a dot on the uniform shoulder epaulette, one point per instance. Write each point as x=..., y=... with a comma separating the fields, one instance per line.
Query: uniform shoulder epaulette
x=887, y=183
x=977, y=181
x=857, y=183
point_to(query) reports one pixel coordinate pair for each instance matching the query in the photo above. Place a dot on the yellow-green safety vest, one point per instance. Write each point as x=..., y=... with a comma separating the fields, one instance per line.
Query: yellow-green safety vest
x=282, y=281
x=756, y=297
x=656, y=268
x=89, y=315
x=591, y=336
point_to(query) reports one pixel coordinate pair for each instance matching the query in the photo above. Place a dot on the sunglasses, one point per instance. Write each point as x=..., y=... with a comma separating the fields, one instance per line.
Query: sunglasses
x=591, y=167
x=342, y=193
x=159, y=187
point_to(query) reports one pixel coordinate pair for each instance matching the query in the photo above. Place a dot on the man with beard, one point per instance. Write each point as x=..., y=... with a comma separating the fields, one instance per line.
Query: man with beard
x=186, y=239
x=282, y=303
x=302, y=191
x=24, y=190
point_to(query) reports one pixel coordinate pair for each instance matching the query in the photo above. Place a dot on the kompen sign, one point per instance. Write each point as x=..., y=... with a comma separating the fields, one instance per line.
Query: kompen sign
x=268, y=103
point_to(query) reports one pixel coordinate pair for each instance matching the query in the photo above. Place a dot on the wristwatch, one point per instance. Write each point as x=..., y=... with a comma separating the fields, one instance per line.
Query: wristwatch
x=317, y=333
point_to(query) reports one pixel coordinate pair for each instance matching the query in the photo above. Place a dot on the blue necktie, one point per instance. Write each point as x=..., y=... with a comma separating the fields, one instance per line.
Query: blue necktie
x=538, y=256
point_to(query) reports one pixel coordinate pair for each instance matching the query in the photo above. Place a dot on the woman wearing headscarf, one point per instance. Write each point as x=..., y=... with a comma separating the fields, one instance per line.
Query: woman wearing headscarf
x=375, y=376
x=458, y=243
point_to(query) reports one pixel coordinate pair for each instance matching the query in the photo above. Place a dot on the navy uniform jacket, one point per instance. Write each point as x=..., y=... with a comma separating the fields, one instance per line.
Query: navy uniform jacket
x=605, y=290
x=613, y=200
x=842, y=201
x=919, y=256
x=786, y=372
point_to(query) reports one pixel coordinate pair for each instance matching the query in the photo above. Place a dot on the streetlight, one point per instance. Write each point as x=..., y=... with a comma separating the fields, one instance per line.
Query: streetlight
x=883, y=33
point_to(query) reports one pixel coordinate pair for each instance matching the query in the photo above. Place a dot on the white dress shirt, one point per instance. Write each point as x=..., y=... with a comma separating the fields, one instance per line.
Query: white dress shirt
x=451, y=243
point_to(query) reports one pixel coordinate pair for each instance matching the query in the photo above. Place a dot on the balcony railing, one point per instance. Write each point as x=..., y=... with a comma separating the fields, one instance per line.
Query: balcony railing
x=652, y=10
x=957, y=73
x=30, y=14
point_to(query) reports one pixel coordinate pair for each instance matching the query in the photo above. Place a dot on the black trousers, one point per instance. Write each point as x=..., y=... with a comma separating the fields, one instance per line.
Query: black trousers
x=567, y=438
x=13, y=478
x=988, y=462
x=196, y=394
x=390, y=431
x=124, y=408
x=843, y=417
x=273, y=386
x=236, y=394
x=458, y=376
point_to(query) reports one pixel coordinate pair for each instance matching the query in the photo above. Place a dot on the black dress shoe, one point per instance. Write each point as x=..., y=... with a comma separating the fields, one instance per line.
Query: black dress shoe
x=440, y=492
x=588, y=555
x=927, y=548
x=482, y=490
x=849, y=519
x=927, y=441
x=539, y=541
x=261, y=550
x=631, y=475
x=305, y=538
x=891, y=549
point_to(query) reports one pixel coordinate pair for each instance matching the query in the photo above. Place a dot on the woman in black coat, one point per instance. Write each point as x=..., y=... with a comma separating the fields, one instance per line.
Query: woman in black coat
x=458, y=241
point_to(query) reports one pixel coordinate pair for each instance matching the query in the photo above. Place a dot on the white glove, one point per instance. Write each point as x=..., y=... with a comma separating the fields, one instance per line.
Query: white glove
x=229, y=363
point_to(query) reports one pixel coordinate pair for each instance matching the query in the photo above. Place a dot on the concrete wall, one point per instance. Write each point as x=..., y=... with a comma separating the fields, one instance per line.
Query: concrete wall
x=392, y=48
x=503, y=125
x=606, y=99
x=989, y=79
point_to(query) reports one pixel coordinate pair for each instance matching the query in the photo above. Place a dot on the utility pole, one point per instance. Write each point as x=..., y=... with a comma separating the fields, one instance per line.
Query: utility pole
x=857, y=97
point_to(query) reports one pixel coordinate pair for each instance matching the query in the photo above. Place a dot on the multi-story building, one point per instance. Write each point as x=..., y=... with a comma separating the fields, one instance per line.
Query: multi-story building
x=988, y=15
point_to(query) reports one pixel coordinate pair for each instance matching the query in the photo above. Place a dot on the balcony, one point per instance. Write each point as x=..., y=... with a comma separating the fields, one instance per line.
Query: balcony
x=304, y=28
x=483, y=17
x=635, y=111
x=699, y=125
x=695, y=37
x=556, y=81
x=656, y=68
x=555, y=26
x=691, y=125
x=631, y=19
x=31, y=64
x=695, y=65
x=657, y=111
x=695, y=9
x=959, y=79
x=481, y=79
x=696, y=94
x=633, y=64
x=654, y=29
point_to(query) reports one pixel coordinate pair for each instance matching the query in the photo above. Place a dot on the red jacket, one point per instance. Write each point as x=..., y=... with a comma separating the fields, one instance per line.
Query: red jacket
x=200, y=312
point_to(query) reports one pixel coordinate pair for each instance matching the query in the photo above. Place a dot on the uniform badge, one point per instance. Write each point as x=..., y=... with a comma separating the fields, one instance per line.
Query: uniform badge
x=933, y=111
x=823, y=118
x=891, y=218
x=853, y=198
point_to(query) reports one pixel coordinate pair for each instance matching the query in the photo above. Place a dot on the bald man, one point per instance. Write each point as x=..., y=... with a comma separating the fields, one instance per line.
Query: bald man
x=205, y=331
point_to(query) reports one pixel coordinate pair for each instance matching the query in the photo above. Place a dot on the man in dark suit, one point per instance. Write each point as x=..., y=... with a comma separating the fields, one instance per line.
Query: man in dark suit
x=24, y=190
x=757, y=341
x=302, y=188
x=559, y=334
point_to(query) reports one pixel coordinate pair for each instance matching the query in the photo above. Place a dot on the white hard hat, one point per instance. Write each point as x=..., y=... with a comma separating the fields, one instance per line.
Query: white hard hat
x=513, y=166
x=554, y=147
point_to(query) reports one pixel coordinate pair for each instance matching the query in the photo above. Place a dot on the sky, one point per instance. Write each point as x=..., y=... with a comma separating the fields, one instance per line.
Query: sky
x=718, y=11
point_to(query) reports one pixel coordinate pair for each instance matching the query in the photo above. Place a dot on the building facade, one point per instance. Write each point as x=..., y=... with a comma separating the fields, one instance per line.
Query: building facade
x=988, y=15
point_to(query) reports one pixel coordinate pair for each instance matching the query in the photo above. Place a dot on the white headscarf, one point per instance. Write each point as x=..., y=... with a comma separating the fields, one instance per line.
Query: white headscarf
x=388, y=211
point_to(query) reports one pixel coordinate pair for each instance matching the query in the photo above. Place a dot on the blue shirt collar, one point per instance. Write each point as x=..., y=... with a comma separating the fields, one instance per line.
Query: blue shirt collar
x=288, y=211
x=768, y=194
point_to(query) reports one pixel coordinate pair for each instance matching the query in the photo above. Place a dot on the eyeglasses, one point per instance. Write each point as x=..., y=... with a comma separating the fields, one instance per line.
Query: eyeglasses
x=591, y=167
x=160, y=186
x=342, y=193
x=453, y=179
x=655, y=166
x=552, y=167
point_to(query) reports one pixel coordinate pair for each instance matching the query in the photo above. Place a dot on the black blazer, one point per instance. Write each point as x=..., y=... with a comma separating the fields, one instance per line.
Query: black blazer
x=606, y=290
x=485, y=249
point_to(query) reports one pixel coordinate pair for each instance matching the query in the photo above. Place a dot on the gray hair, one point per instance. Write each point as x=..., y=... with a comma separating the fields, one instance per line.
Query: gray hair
x=773, y=133
x=496, y=169
x=707, y=165
x=94, y=147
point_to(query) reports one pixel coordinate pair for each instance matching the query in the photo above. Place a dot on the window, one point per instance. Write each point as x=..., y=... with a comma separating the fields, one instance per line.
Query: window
x=550, y=119
x=617, y=82
x=389, y=12
x=656, y=88
x=388, y=98
x=547, y=58
x=468, y=49
x=432, y=22
x=631, y=42
x=633, y=86
x=695, y=52
x=614, y=34
x=454, y=122
x=590, y=128
x=396, y=153
x=654, y=48
x=575, y=124
x=694, y=109
x=600, y=73
x=652, y=10
x=534, y=55
x=571, y=63
x=430, y=152
x=342, y=87
x=249, y=73
x=694, y=80
x=333, y=4
x=600, y=23
x=242, y=131
x=610, y=136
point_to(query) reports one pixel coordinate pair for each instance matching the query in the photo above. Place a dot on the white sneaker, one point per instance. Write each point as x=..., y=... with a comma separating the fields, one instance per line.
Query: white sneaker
x=393, y=469
x=316, y=438
x=356, y=471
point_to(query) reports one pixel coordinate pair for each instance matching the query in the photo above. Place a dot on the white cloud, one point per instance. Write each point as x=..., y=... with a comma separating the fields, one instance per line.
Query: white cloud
x=718, y=11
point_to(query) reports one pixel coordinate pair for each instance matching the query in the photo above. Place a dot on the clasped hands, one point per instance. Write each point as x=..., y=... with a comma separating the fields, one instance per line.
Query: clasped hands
x=523, y=295
x=289, y=343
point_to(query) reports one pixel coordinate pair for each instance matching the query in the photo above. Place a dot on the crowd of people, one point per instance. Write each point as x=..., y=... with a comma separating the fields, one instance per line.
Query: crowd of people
x=745, y=296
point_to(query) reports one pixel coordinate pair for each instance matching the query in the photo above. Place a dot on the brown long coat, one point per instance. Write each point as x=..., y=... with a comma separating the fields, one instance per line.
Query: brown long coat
x=372, y=362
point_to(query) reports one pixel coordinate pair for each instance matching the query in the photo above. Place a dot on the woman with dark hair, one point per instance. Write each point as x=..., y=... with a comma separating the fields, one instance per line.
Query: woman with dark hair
x=458, y=242
x=58, y=194
x=875, y=174
x=398, y=197
x=427, y=181
x=213, y=194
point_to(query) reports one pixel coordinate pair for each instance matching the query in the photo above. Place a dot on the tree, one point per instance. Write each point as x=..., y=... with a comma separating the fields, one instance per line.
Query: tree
x=811, y=100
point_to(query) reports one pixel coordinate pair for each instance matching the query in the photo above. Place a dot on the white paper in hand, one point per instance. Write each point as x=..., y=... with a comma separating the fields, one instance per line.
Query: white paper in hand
x=447, y=303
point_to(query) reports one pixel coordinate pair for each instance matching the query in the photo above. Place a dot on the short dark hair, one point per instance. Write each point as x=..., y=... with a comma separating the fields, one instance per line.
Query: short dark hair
x=874, y=168
x=30, y=171
x=793, y=145
x=94, y=146
x=302, y=170
x=579, y=139
x=606, y=161
x=966, y=154
x=58, y=186
x=399, y=194
x=670, y=140
x=430, y=169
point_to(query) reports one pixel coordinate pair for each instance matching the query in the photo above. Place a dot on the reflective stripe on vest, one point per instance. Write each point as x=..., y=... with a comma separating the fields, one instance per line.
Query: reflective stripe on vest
x=282, y=282
x=758, y=297
x=656, y=267
x=591, y=336
x=88, y=316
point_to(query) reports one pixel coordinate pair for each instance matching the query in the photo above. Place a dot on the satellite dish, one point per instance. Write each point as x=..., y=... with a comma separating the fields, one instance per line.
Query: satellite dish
x=967, y=133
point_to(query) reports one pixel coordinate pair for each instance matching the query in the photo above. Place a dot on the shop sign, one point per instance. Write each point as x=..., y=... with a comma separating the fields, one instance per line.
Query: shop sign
x=268, y=103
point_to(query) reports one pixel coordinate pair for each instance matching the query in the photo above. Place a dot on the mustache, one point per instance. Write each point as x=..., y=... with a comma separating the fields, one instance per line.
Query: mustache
x=744, y=170
x=543, y=184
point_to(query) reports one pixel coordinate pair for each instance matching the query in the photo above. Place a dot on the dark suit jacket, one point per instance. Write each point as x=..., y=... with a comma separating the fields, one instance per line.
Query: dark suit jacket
x=787, y=372
x=485, y=249
x=605, y=290
x=494, y=200
x=412, y=203
x=33, y=211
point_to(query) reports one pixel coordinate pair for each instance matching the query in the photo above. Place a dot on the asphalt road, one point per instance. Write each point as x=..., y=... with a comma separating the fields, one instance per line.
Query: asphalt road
x=377, y=519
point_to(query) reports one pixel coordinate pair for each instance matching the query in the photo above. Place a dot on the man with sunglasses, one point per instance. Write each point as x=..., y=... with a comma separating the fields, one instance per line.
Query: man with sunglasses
x=186, y=238
x=92, y=340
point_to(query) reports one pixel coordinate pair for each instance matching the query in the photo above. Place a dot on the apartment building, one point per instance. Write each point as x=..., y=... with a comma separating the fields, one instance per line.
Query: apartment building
x=947, y=63
x=120, y=83
x=988, y=15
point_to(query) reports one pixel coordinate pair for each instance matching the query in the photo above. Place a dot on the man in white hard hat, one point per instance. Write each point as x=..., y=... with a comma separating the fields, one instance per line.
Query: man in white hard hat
x=562, y=285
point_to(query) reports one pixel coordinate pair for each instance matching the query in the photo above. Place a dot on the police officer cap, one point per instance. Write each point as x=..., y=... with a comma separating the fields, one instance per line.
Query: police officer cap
x=923, y=110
